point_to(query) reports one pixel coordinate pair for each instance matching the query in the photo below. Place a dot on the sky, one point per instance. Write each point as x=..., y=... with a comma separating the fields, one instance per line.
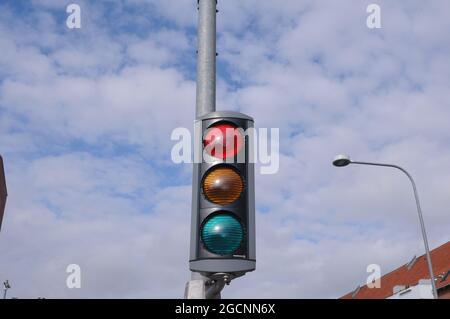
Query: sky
x=86, y=117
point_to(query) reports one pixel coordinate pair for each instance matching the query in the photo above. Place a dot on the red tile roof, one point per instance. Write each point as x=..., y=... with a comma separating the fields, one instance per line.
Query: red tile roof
x=402, y=276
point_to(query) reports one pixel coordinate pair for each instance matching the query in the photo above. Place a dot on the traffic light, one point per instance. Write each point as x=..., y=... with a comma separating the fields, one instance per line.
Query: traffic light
x=223, y=199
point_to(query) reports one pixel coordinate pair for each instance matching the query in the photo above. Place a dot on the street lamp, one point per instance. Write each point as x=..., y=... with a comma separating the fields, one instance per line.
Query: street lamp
x=344, y=160
x=6, y=286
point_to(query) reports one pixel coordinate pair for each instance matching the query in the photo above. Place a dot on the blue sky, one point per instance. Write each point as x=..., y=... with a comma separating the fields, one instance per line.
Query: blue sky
x=86, y=117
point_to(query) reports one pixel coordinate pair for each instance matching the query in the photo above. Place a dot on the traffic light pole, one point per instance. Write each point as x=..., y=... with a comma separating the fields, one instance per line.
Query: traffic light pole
x=206, y=58
x=201, y=287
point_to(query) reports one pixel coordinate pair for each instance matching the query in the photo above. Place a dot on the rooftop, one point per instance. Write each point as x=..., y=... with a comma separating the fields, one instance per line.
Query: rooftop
x=409, y=275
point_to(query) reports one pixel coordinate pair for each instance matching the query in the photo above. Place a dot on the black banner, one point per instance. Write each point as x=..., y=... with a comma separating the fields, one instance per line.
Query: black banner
x=270, y=308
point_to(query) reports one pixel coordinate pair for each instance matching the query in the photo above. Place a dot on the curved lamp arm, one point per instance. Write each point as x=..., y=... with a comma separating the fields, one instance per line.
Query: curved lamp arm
x=419, y=211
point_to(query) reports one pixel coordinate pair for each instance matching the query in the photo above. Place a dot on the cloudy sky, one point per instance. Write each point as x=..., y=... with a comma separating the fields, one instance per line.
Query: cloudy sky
x=86, y=117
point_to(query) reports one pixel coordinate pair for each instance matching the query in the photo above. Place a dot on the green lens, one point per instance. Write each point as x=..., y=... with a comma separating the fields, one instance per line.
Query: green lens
x=222, y=234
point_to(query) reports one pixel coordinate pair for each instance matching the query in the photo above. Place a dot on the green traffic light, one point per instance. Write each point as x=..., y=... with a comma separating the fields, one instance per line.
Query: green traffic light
x=222, y=234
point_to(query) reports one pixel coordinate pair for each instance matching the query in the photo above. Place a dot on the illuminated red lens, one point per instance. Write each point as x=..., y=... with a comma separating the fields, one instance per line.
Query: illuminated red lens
x=223, y=140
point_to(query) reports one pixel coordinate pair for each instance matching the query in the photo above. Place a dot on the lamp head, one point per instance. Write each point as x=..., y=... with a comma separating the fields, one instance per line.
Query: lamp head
x=341, y=160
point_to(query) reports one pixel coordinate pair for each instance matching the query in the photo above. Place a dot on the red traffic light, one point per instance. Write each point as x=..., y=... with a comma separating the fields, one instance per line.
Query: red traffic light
x=223, y=140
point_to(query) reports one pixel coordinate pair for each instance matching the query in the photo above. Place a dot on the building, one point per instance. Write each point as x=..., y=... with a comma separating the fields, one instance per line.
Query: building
x=3, y=192
x=412, y=280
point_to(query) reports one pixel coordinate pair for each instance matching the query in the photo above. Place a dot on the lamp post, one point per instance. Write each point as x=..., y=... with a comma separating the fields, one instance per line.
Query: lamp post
x=6, y=286
x=344, y=160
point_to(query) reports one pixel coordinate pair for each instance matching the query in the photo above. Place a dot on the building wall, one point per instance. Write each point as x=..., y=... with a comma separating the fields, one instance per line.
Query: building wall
x=444, y=294
x=420, y=291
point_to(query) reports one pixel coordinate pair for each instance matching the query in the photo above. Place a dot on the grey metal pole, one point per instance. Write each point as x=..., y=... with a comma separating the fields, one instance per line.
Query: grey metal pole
x=6, y=286
x=422, y=223
x=201, y=287
x=206, y=58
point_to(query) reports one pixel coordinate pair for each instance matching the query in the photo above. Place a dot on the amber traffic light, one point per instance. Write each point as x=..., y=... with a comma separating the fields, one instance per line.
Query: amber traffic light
x=222, y=185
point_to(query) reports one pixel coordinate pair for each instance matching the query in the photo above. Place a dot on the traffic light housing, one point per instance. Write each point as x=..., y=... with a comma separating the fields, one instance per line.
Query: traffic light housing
x=223, y=198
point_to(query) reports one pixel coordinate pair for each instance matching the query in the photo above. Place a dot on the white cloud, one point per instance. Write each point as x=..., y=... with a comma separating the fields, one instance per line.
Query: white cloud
x=311, y=68
x=81, y=209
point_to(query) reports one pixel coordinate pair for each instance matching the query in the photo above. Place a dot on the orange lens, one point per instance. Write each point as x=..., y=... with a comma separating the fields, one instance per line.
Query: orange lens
x=222, y=185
